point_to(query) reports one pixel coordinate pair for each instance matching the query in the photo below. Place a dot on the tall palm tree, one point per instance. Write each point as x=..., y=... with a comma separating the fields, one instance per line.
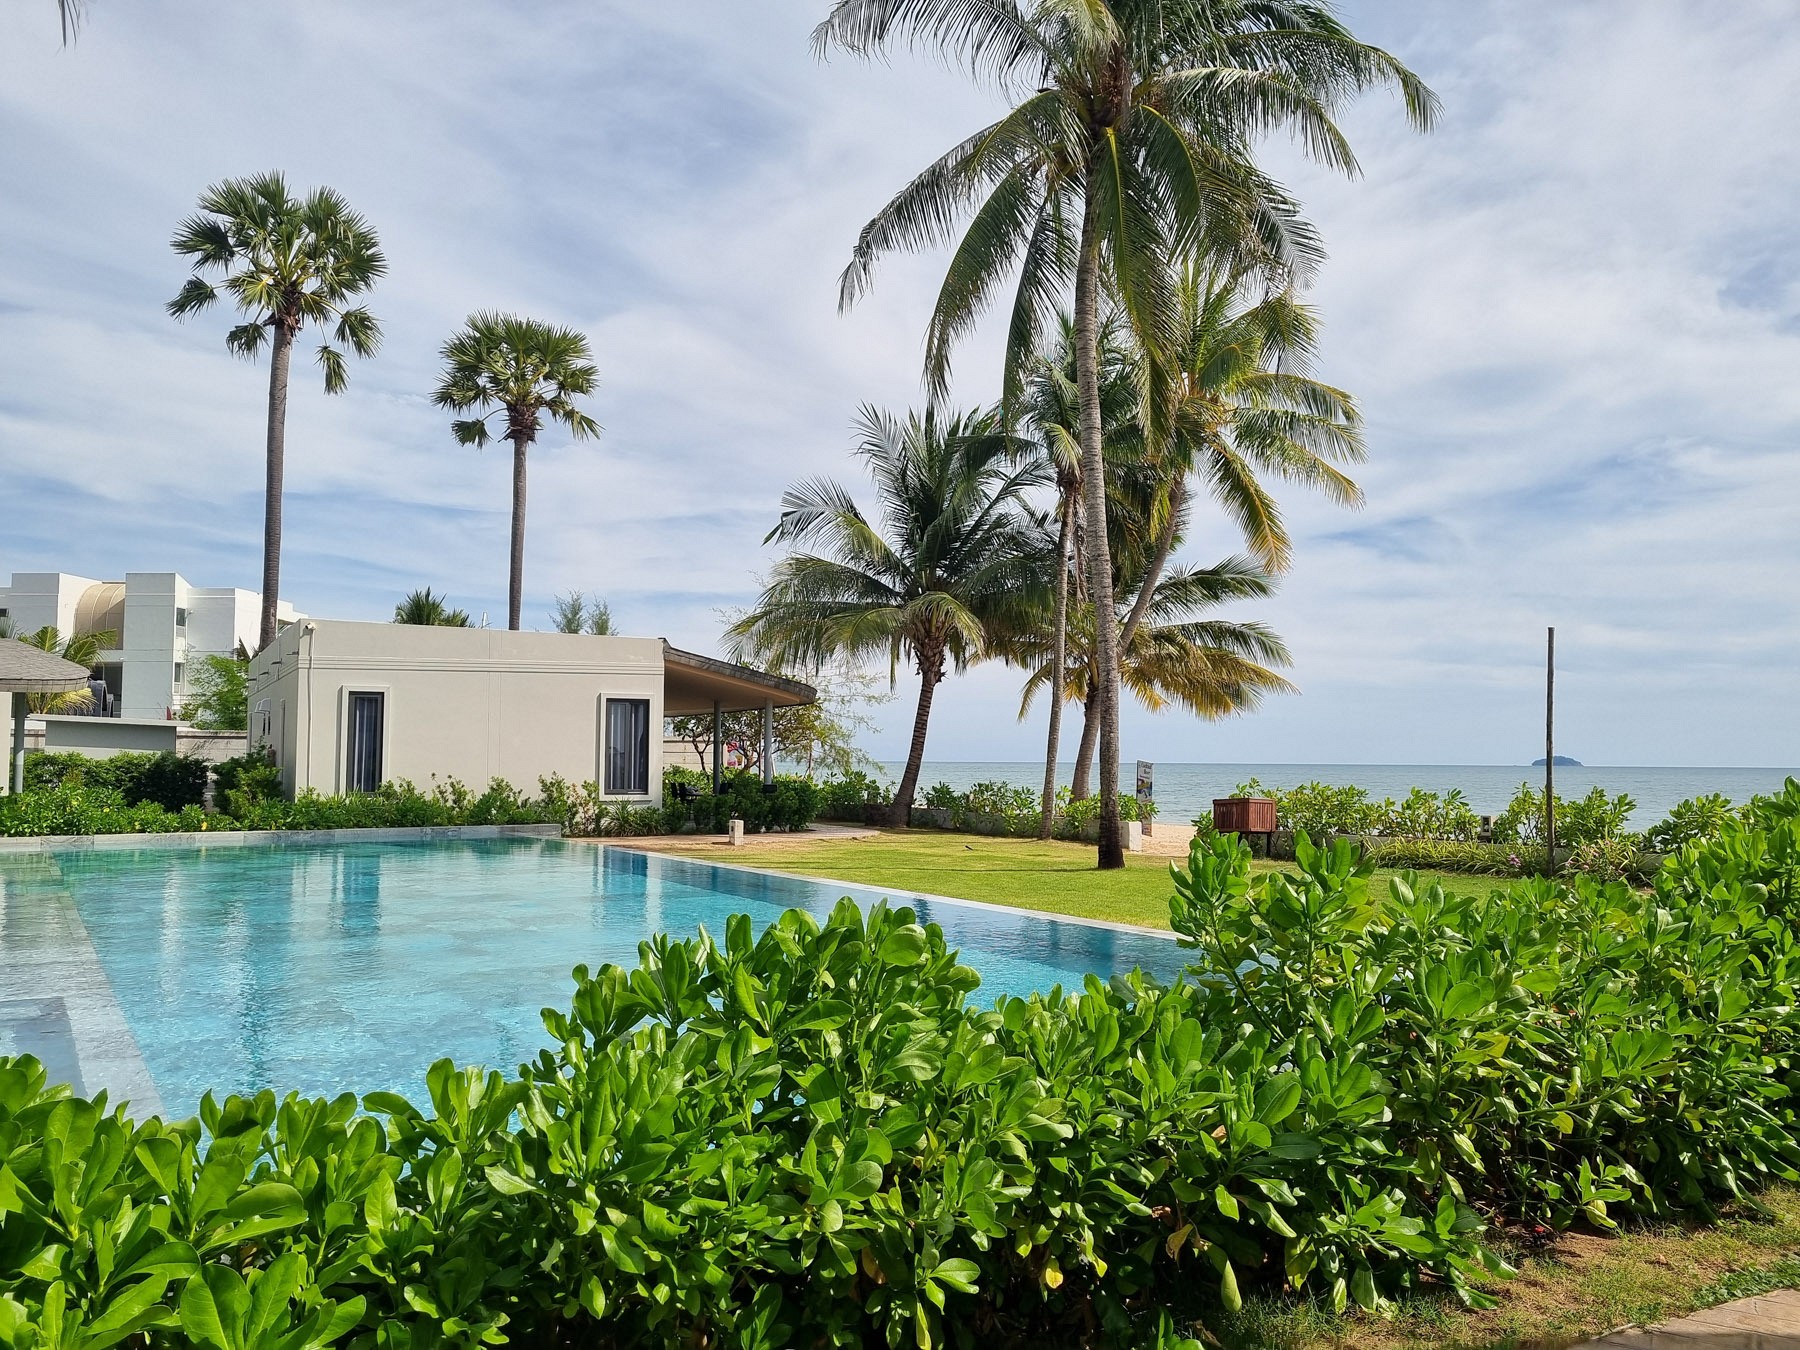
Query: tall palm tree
x=1213, y=668
x=528, y=370
x=83, y=649
x=1127, y=153
x=949, y=561
x=1052, y=416
x=1246, y=407
x=287, y=262
x=429, y=610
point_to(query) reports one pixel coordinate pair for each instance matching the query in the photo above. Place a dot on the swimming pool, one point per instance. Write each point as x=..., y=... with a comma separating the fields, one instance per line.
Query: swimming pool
x=165, y=972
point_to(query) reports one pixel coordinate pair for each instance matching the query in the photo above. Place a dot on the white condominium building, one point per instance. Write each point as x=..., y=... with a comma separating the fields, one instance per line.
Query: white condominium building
x=161, y=625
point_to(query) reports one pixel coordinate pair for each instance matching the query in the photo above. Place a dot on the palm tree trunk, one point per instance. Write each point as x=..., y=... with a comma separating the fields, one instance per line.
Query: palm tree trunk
x=1099, y=554
x=1165, y=545
x=515, y=589
x=931, y=671
x=274, y=462
x=1059, y=657
x=1080, y=787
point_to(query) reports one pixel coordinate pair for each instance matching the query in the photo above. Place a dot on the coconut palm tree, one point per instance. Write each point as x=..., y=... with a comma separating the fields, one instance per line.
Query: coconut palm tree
x=287, y=262
x=1211, y=667
x=949, y=561
x=526, y=370
x=1127, y=153
x=430, y=611
x=83, y=649
x=1247, y=409
x=1051, y=416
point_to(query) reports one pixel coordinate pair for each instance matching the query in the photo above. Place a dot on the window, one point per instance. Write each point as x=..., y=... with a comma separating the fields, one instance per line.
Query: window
x=362, y=760
x=628, y=745
x=180, y=671
x=181, y=617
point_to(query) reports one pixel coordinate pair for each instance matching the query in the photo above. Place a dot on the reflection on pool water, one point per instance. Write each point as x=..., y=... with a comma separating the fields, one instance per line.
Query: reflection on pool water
x=355, y=966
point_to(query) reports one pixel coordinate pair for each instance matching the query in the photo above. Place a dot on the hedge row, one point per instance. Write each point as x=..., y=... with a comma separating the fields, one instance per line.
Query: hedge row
x=813, y=1137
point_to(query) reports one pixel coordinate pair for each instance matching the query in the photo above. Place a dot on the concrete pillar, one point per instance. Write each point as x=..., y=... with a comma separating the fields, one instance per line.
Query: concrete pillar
x=768, y=751
x=718, y=747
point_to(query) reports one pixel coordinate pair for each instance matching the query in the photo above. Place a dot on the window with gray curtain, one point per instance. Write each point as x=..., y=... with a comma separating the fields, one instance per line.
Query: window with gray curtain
x=628, y=745
x=362, y=767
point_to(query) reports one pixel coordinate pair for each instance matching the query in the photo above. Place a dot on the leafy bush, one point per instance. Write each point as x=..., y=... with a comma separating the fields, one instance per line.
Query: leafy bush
x=585, y=811
x=170, y=780
x=75, y=808
x=812, y=1138
x=1579, y=820
x=1696, y=818
x=942, y=797
x=1319, y=809
x=1454, y=855
x=247, y=779
x=852, y=796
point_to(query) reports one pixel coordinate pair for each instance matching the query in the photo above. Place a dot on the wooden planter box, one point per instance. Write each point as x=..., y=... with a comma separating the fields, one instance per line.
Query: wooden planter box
x=1244, y=815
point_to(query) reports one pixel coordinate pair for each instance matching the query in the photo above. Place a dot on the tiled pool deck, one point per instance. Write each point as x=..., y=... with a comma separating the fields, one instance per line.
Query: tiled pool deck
x=55, y=1000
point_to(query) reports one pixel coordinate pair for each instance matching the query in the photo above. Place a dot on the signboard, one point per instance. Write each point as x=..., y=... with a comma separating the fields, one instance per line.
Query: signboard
x=1146, y=789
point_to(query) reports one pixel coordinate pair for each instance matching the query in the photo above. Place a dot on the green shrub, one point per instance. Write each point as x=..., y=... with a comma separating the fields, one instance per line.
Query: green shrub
x=1453, y=855
x=1580, y=820
x=1696, y=818
x=170, y=780
x=248, y=778
x=942, y=797
x=852, y=796
x=812, y=1137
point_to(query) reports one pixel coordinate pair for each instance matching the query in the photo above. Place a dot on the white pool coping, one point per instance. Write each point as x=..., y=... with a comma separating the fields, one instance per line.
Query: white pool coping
x=895, y=892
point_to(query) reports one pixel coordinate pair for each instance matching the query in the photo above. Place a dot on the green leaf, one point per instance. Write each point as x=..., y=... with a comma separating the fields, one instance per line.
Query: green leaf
x=905, y=946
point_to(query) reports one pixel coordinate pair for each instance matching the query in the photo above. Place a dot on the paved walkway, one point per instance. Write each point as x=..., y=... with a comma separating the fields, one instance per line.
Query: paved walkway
x=1767, y=1322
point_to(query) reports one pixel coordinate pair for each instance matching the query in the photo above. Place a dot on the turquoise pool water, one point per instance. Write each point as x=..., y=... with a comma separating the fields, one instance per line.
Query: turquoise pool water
x=324, y=968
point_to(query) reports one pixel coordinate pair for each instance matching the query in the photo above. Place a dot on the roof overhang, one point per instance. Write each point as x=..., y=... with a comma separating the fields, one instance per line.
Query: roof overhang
x=31, y=670
x=694, y=684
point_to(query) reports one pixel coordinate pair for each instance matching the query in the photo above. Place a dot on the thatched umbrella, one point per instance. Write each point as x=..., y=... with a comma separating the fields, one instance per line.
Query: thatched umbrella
x=30, y=670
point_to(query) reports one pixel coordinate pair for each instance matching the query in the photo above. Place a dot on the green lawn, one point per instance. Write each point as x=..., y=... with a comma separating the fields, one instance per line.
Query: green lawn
x=1023, y=873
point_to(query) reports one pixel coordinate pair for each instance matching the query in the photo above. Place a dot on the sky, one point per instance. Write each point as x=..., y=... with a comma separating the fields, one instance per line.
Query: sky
x=1571, y=315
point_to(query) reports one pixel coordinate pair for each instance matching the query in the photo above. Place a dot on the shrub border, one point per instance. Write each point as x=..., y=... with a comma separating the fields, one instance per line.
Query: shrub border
x=190, y=839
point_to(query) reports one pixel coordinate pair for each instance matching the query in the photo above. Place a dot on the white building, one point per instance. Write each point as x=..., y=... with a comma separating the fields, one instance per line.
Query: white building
x=162, y=627
x=345, y=707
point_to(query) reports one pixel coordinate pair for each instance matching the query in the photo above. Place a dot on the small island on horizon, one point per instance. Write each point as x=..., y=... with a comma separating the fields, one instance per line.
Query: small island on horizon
x=1562, y=762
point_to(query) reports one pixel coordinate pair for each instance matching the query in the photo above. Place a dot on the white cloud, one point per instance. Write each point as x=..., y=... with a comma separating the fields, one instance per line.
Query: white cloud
x=1571, y=314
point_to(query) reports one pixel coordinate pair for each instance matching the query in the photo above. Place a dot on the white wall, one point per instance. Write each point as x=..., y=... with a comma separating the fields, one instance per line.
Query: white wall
x=38, y=598
x=468, y=703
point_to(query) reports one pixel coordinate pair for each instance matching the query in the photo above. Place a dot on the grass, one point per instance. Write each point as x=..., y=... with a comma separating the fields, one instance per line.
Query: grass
x=1023, y=873
x=1583, y=1285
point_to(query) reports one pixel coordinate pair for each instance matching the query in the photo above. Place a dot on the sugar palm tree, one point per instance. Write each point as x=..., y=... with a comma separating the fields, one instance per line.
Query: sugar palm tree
x=429, y=610
x=287, y=262
x=947, y=563
x=1126, y=154
x=83, y=649
x=526, y=370
x=1247, y=409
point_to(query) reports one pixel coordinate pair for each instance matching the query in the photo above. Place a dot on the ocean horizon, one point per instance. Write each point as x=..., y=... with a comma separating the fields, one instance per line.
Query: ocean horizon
x=1184, y=789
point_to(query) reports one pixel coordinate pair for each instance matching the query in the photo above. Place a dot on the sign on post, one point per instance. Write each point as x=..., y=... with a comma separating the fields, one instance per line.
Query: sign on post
x=1146, y=789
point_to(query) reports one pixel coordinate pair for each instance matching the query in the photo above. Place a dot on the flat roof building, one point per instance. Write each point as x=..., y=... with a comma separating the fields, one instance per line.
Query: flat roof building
x=345, y=707
x=162, y=626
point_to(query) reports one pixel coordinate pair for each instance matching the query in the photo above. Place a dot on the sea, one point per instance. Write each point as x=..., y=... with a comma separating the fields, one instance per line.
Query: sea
x=1183, y=791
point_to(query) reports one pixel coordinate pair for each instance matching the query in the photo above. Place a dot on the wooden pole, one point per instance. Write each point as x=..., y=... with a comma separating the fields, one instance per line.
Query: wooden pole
x=1550, y=750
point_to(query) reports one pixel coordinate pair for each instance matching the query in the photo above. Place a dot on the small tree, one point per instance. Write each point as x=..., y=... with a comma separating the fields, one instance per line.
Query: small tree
x=573, y=613
x=219, y=695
